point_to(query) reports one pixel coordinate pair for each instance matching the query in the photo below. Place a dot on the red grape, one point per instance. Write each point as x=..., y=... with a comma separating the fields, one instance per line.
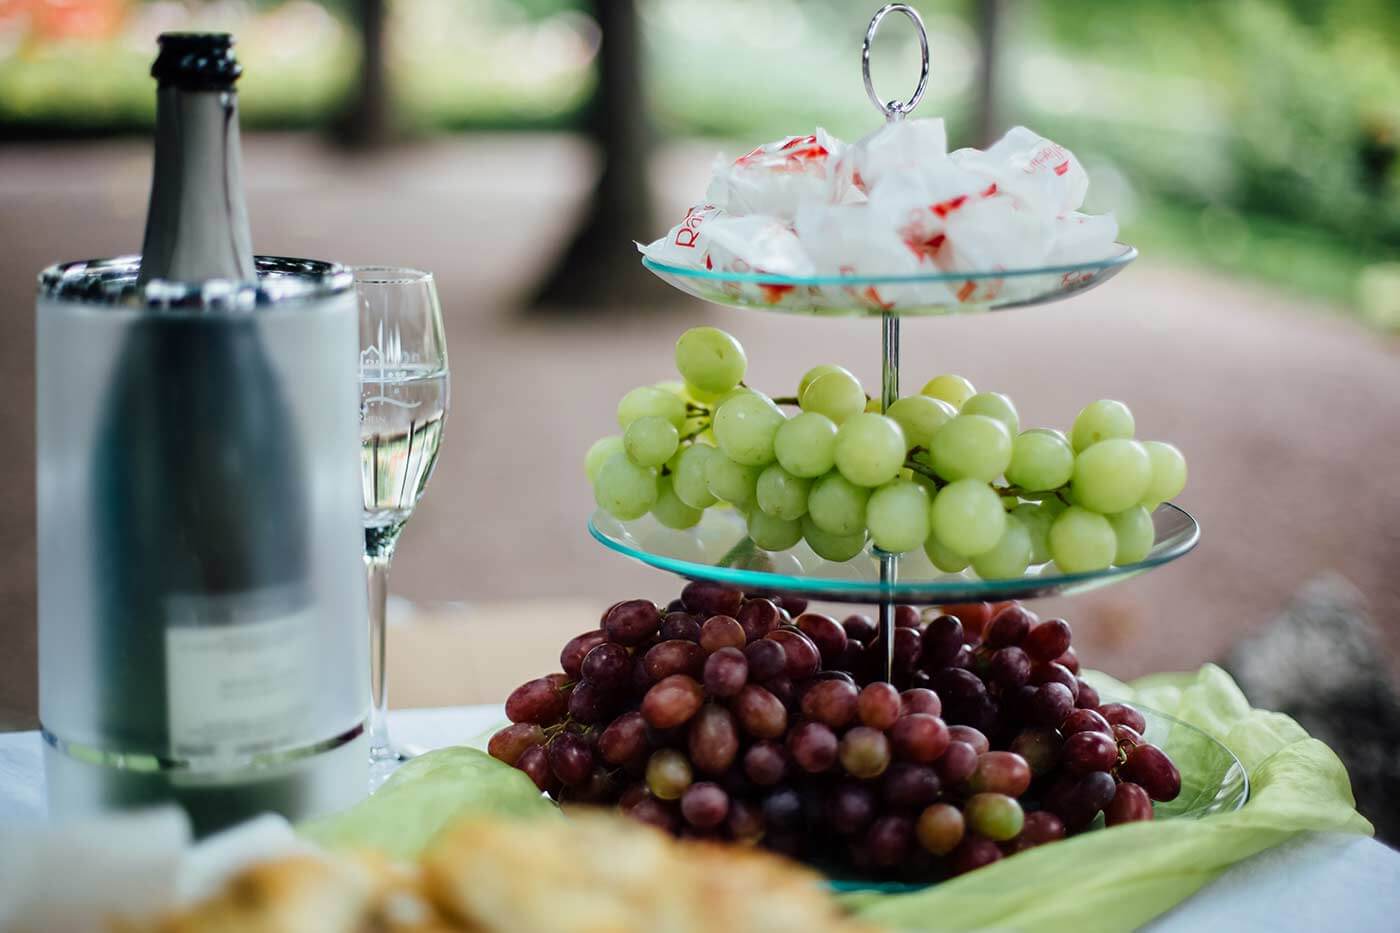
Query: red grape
x=813, y=747
x=577, y=648
x=832, y=702
x=609, y=666
x=538, y=701
x=942, y=640
x=766, y=763
x=853, y=658
x=955, y=686
x=974, y=852
x=1123, y=714
x=860, y=626
x=668, y=774
x=1149, y=766
x=632, y=622
x=784, y=689
x=850, y=808
x=745, y=822
x=1009, y=627
x=1087, y=697
x=1051, y=704
x=758, y=617
x=826, y=633
x=1130, y=804
x=940, y=828
x=679, y=625
x=674, y=657
x=906, y=617
x=793, y=605
x=908, y=646
x=958, y=762
x=760, y=713
x=1080, y=801
x=722, y=632
x=973, y=616
x=590, y=703
x=1040, y=748
x=782, y=809
x=1054, y=673
x=672, y=701
x=1009, y=668
x=1041, y=827
x=713, y=739
x=508, y=744
x=767, y=659
x=711, y=599
x=1048, y=640
x=920, y=700
x=919, y=737
x=1069, y=660
x=534, y=761
x=1001, y=773
x=996, y=816
x=907, y=786
x=864, y=752
x=656, y=813
x=726, y=672
x=879, y=705
x=803, y=658
x=624, y=740
x=1085, y=720
x=1085, y=752
x=1126, y=736
x=570, y=758
x=888, y=840
x=971, y=736
x=704, y=805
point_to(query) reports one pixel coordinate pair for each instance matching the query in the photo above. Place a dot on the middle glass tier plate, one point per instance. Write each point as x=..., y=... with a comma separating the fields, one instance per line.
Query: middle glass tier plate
x=924, y=295
x=719, y=549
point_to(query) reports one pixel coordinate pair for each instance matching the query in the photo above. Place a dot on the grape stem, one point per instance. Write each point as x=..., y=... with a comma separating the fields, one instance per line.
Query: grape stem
x=939, y=482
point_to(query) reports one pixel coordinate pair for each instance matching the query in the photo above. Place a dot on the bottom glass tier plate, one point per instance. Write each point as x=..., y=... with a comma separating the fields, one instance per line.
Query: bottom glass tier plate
x=718, y=549
x=1212, y=781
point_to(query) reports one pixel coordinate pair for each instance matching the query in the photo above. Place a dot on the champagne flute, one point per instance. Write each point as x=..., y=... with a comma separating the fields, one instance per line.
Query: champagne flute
x=403, y=406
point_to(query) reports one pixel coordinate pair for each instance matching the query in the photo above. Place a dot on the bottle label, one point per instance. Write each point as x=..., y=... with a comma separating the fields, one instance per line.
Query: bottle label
x=239, y=680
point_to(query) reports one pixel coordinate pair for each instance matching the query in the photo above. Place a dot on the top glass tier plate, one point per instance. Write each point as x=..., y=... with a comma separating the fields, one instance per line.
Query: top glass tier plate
x=718, y=549
x=929, y=295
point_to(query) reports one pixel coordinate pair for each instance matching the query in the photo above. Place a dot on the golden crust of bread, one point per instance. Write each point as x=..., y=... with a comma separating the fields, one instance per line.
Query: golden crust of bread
x=601, y=873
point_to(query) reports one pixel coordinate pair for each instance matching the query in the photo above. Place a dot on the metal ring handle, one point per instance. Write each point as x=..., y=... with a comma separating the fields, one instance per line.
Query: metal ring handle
x=895, y=110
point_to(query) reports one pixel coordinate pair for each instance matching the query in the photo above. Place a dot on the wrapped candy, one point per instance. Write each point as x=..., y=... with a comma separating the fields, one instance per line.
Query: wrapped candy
x=777, y=177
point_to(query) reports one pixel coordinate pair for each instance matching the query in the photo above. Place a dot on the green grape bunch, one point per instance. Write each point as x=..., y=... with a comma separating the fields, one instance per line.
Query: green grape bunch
x=950, y=470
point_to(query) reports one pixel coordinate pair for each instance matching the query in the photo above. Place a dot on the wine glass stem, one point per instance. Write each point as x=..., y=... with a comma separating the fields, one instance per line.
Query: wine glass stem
x=377, y=581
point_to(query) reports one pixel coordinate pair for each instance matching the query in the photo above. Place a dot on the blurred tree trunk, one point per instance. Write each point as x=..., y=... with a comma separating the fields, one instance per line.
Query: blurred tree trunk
x=600, y=267
x=367, y=121
x=990, y=15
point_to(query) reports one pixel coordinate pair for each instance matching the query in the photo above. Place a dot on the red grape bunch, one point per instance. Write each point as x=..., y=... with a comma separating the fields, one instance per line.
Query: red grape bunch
x=753, y=720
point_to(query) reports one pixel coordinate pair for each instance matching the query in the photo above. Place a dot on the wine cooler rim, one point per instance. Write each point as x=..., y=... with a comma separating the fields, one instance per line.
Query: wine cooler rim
x=282, y=281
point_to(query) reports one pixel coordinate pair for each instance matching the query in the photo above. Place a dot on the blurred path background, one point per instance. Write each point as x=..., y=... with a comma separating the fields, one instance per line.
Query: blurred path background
x=1249, y=149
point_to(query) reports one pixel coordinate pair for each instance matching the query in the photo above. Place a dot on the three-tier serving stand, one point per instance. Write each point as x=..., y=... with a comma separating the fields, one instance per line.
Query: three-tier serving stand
x=718, y=549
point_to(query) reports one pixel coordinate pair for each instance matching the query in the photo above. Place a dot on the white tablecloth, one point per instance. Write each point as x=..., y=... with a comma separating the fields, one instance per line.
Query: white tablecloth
x=1317, y=882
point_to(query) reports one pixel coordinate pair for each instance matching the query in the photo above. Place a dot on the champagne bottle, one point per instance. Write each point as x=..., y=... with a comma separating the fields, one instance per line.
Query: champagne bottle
x=205, y=599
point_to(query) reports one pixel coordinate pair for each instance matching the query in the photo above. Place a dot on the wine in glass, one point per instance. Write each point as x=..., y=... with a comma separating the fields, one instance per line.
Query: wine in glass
x=403, y=406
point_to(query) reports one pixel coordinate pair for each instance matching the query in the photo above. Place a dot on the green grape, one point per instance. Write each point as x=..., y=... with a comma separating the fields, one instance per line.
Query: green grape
x=1101, y=421
x=837, y=505
x=831, y=547
x=971, y=446
x=993, y=405
x=698, y=394
x=837, y=395
x=955, y=390
x=1081, y=541
x=600, y=453
x=943, y=557
x=898, y=516
x=1011, y=555
x=1040, y=461
x=651, y=441
x=1135, y=534
x=869, y=448
x=691, y=480
x=745, y=426
x=968, y=516
x=806, y=444
x=1037, y=519
x=816, y=372
x=730, y=481
x=773, y=534
x=920, y=416
x=1111, y=475
x=670, y=510
x=781, y=494
x=1168, y=473
x=625, y=490
x=710, y=359
x=1053, y=432
x=649, y=400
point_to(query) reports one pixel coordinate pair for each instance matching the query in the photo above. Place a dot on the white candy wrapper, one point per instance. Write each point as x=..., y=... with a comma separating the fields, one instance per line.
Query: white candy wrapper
x=894, y=151
x=1043, y=174
x=855, y=240
x=710, y=238
x=777, y=177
